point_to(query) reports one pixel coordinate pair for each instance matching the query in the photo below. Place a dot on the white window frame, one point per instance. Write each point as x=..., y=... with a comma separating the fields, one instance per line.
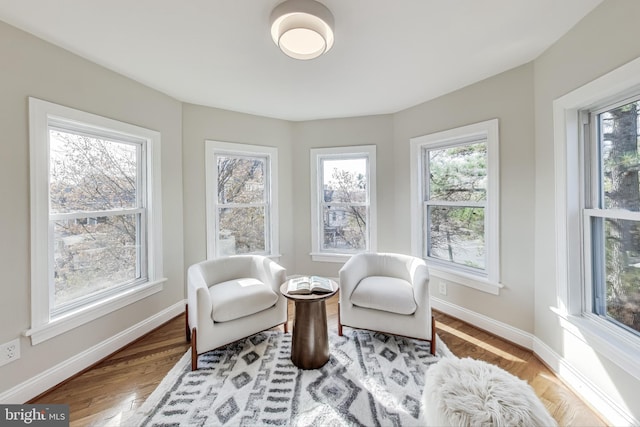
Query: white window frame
x=212, y=149
x=317, y=155
x=489, y=279
x=573, y=297
x=42, y=114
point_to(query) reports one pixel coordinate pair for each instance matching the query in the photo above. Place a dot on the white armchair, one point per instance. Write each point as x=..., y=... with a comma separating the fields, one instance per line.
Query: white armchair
x=232, y=298
x=388, y=293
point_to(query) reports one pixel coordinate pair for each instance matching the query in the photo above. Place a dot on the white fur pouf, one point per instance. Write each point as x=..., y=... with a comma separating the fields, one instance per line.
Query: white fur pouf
x=468, y=392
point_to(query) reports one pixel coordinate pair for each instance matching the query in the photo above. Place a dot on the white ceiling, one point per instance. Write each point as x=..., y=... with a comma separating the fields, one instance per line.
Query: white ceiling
x=388, y=55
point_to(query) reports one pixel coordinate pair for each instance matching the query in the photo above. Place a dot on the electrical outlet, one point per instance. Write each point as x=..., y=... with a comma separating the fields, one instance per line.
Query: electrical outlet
x=442, y=287
x=9, y=351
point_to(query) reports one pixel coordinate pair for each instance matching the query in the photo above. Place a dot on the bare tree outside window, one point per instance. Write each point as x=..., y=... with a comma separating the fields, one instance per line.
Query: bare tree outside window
x=242, y=204
x=345, y=204
x=95, y=212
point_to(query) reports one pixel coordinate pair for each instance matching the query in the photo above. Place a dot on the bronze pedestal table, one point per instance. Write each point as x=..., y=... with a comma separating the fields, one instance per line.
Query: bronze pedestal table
x=310, y=340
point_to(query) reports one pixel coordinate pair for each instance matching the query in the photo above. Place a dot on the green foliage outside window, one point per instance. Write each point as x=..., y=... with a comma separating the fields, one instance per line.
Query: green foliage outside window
x=619, y=190
x=457, y=190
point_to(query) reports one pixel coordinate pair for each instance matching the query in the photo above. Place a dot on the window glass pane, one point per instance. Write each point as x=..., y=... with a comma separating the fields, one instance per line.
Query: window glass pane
x=91, y=174
x=457, y=235
x=622, y=272
x=618, y=139
x=345, y=180
x=241, y=180
x=94, y=254
x=345, y=227
x=241, y=230
x=458, y=173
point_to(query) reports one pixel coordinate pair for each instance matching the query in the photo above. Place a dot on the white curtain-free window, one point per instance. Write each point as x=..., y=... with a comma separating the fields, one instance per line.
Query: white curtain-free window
x=343, y=202
x=591, y=260
x=96, y=217
x=455, y=203
x=242, y=199
x=611, y=213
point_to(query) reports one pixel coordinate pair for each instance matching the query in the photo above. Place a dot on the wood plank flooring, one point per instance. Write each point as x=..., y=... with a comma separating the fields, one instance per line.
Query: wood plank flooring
x=107, y=393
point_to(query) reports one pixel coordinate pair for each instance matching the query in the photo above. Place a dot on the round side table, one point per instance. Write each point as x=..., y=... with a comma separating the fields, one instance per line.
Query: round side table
x=310, y=340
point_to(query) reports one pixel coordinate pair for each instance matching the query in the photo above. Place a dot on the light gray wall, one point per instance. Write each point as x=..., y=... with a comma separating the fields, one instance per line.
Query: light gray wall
x=509, y=98
x=604, y=40
x=203, y=123
x=31, y=67
x=371, y=130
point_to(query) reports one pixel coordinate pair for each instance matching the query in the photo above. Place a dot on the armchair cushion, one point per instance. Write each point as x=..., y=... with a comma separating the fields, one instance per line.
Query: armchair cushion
x=237, y=298
x=385, y=293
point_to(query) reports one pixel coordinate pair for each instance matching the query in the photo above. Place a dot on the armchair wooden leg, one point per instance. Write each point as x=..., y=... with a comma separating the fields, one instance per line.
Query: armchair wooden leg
x=286, y=322
x=186, y=322
x=433, y=335
x=194, y=351
x=339, y=323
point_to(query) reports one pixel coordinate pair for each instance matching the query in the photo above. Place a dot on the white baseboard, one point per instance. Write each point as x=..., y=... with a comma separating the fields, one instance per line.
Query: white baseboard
x=591, y=393
x=53, y=376
x=508, y=332
x=588, y=391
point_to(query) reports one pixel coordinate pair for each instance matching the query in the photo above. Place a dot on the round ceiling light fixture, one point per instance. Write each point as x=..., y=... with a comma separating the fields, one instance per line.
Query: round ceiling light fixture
x=302, y=29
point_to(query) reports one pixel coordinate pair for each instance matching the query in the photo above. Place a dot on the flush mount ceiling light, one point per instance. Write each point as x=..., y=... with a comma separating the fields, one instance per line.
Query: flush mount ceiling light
x=302, y=29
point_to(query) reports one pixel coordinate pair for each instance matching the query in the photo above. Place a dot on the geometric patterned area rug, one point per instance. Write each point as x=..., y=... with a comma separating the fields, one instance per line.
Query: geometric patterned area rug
x=370, y=379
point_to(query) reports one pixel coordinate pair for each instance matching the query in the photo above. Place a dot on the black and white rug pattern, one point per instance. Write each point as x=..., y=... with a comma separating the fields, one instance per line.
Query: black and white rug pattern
x=371, y=379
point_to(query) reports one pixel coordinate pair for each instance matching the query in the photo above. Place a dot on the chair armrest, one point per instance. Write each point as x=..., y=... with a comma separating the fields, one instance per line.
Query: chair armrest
x=351, y=273
x=270, y=273
x=419, y=273
x=198, y=296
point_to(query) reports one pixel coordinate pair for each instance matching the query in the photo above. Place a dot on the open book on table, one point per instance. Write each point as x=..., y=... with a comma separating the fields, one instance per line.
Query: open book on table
x=309, y=285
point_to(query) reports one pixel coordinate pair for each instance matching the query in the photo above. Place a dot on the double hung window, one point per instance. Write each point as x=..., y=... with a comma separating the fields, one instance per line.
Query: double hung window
x=95, y=214
x=455, y=207
x=598, y=214
x=611, y=222
x=241, y=199
x=343, y=201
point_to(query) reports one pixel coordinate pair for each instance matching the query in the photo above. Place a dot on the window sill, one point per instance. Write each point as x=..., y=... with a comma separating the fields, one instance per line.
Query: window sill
x=469, y=280
x=609, y=340
x=91, y=312
x=327, y=257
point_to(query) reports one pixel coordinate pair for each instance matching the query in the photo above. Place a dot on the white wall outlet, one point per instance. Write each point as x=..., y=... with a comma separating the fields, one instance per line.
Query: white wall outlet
x=9, y=351
x=442, y=287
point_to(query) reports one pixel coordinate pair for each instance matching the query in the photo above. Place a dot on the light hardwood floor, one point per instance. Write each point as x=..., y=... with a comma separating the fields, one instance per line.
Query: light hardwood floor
x=107, y=393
